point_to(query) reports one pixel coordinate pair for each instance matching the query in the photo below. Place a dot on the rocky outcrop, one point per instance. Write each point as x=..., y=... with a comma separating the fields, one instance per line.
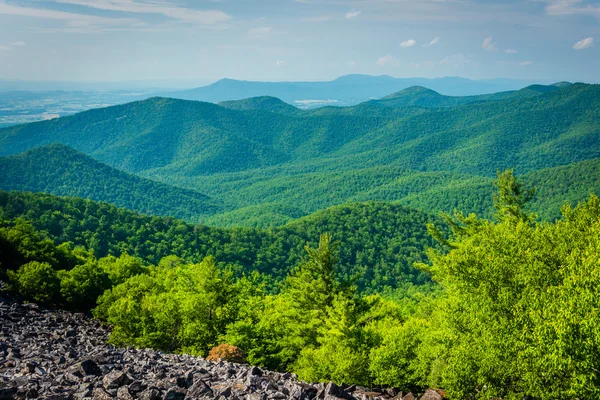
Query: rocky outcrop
x=58, y=355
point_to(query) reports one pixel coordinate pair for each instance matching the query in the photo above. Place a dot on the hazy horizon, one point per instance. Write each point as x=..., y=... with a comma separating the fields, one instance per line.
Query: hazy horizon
x=190, y=83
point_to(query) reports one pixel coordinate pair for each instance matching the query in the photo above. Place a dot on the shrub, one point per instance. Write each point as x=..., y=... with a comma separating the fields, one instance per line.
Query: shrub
x=37, y=281
x=226, y=352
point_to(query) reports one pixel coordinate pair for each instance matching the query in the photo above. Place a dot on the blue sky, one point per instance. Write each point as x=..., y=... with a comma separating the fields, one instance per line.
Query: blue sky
x=204, y=40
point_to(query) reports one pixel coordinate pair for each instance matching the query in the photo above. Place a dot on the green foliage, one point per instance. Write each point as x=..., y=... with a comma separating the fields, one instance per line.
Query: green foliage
x=518, y=316
x=512, y=197
x=122, y=268
x=180, y=308
x=267, y=163
x=342, y=350
x=38, y=281
x=379, y=242
x=82, y=285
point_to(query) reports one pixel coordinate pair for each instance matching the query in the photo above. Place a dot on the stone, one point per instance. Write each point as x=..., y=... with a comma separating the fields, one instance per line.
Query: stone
x=100, y=394
x=333, y=391
x=150, y=394
x=136, y=387
x=200, y=389
x=431, y=394
x=8, y=393
x=89, y=367
x=175, y=394
x=115, y=379
x=124, y=394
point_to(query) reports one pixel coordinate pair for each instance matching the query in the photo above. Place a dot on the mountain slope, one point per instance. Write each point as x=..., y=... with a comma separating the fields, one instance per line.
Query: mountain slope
x=379, y=242
x=254, y=155
x=60, y=170
x=264, y=103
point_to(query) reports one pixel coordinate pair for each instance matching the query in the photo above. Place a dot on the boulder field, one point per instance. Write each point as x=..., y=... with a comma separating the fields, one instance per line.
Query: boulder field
x=58, y=355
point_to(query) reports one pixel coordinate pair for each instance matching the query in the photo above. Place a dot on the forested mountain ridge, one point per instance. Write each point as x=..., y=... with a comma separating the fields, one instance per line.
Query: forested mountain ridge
x=268, y=162
x=424, y=97
x=209, y=139
x=61, y=170
x=380, y=242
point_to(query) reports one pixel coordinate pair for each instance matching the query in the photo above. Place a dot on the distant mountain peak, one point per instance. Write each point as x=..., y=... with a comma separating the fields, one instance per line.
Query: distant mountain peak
x=562, y=84
x=264, y=103
x=412, y=91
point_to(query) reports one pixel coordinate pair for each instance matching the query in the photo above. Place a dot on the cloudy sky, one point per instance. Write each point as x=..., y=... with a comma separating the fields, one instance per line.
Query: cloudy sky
x=204, y=40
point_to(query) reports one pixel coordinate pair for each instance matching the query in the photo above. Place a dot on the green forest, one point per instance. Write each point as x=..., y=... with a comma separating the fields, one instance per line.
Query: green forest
x=501, y=308
x=263, y=163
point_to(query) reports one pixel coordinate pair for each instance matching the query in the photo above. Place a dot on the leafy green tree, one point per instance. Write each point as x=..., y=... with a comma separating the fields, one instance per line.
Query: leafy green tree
x=121, y=268
x=81, y=286
x=37, y=281
x=519, y=303
x=512, y=197
x=342, y=350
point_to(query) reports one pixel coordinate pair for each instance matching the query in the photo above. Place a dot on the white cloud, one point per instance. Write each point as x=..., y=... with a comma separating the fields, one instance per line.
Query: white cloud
x=4, y=47
x=584, y=44
x=353, y=14
x=408, y=43
x=525, y=63
x=511, y=51
x=18, y=43
x=280, y=63
x=165, y=8
x=571, y=7
x=489, y=44
x=74, y=22
x=260, y=33
x=434, y=41
x=386, y=60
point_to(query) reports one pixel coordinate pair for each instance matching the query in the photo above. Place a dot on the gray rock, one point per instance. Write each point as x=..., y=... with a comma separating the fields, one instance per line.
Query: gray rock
x=8, y=393
x=200, y=389
x=175, y=394
x=150, y=394
x=333, y=391
x=100, y=394
x=115, y=379
x=124, y=394
x=431, y=394
x=89, y=367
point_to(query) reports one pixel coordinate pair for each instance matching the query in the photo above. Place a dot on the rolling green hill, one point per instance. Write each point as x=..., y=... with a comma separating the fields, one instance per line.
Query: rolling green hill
x=379, y=242
x=264, y=103
x=268, y=162
x=60, y=170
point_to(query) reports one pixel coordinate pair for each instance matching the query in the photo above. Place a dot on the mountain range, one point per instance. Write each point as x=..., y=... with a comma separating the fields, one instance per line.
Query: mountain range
x=263, y=162
x=343, y=91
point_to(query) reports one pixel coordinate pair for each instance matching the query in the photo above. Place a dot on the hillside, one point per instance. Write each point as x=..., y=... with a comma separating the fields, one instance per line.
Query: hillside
x=379, y=241
x=264, y=103
x=60, y=170
x=262, y=152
